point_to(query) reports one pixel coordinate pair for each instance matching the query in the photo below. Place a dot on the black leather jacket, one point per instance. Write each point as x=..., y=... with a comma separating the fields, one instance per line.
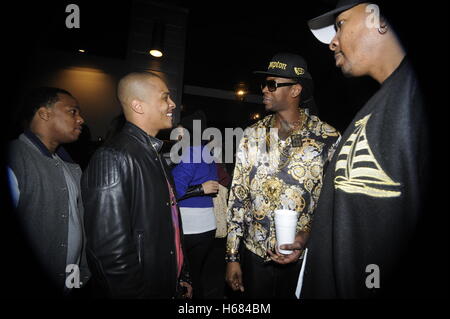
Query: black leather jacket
x=129, y=230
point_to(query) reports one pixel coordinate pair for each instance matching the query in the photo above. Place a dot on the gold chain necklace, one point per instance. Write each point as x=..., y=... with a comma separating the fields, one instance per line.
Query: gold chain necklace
x=297, y=125
x=286, y=151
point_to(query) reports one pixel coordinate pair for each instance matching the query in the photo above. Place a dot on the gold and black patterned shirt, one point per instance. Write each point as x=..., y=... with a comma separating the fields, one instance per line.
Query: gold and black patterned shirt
x=272, y=174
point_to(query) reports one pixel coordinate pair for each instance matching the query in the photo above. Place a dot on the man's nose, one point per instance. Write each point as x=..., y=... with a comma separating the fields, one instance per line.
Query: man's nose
x=80, y=120
x=172, y=104
x=334, y=43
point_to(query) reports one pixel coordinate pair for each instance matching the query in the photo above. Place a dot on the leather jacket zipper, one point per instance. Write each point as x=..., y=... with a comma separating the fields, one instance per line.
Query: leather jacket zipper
x=140, y=247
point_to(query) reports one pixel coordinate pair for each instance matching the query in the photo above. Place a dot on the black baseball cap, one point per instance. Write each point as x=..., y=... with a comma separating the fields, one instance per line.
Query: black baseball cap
x=323, y=26
x=287, y=65
x=291, y=66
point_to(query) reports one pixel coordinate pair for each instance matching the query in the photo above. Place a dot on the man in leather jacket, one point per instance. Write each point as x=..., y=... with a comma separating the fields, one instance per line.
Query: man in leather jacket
x=133, y=228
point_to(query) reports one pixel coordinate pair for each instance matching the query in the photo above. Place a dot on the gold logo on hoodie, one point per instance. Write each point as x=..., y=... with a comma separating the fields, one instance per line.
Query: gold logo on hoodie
x=358, y=171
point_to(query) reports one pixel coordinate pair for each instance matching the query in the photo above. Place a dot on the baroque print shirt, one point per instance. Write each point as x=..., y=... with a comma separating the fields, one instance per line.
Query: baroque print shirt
x=272, y=174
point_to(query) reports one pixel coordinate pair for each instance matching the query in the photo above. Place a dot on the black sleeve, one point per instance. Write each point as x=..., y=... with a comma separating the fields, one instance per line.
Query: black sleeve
x=111, y=250
x=194, y=190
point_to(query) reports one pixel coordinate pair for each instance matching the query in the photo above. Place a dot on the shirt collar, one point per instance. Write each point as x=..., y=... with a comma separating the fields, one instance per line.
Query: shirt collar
x=60, y=151
x=143, y=136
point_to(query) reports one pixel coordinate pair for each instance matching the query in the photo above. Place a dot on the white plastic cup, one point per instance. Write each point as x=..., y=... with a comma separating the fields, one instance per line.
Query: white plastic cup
x=285, y=227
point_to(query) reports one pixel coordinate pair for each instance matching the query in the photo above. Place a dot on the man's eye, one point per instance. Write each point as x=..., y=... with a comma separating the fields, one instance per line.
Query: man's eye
x=338, y=25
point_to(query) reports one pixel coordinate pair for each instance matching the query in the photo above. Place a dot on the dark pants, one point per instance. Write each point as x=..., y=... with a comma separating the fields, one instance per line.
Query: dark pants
x=198, y=247
x=268, y=279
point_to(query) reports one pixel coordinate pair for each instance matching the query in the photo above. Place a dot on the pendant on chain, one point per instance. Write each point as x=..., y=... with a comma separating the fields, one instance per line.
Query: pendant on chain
x=296, y=140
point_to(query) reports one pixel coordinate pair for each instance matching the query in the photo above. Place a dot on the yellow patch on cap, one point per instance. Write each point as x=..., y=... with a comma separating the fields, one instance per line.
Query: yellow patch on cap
x=299, y=71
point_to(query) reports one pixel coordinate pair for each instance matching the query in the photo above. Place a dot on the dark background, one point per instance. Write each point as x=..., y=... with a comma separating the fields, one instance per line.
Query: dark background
x=227, y=41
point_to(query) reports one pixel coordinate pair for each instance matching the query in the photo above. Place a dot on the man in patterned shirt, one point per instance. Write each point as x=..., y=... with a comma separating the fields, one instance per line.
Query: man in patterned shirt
x=279, y=165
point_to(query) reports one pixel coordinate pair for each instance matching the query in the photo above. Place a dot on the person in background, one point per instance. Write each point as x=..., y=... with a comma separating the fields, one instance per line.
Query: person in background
x=196, y=180
x=45, y=186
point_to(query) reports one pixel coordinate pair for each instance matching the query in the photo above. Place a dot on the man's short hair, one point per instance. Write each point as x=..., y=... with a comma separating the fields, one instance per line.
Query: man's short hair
x=126, y=82
x=36, y=98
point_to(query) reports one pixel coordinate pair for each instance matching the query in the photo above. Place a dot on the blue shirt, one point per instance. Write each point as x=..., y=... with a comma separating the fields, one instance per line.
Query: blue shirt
x=187, y=173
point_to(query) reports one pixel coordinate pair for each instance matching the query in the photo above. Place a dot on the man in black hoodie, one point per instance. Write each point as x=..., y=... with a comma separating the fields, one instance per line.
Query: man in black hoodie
x=364, y=239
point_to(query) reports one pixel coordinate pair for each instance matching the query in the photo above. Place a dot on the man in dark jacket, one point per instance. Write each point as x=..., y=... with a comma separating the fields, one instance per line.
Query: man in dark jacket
x=367, y=238
x=133, y=228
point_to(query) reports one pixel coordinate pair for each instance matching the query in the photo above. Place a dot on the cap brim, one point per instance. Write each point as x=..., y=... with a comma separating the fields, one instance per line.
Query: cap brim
x=261, y=72
x=266, y=73
x=323, y=26
x=306, y=75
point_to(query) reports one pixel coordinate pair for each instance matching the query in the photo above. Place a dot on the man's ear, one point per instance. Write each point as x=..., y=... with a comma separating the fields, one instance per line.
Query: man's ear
x=296, y=90
x=137, y=106
x=44, y=113
x=384, y=27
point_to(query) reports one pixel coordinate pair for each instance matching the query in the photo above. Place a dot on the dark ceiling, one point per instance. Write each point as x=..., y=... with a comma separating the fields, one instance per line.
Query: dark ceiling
x=227, y=40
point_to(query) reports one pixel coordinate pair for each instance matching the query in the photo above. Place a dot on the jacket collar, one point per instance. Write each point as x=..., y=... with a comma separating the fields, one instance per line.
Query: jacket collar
x=143, y=137
x=60, y=151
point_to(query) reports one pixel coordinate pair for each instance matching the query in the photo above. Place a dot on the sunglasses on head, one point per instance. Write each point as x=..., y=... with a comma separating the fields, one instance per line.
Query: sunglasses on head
x=272, y=85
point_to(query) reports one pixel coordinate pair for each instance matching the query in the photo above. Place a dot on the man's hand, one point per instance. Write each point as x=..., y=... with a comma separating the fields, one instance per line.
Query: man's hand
x=210, y=187
x=297, y=246
x=234, y=276
x=294, y=246
x=283, y=259
x=188, y=293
